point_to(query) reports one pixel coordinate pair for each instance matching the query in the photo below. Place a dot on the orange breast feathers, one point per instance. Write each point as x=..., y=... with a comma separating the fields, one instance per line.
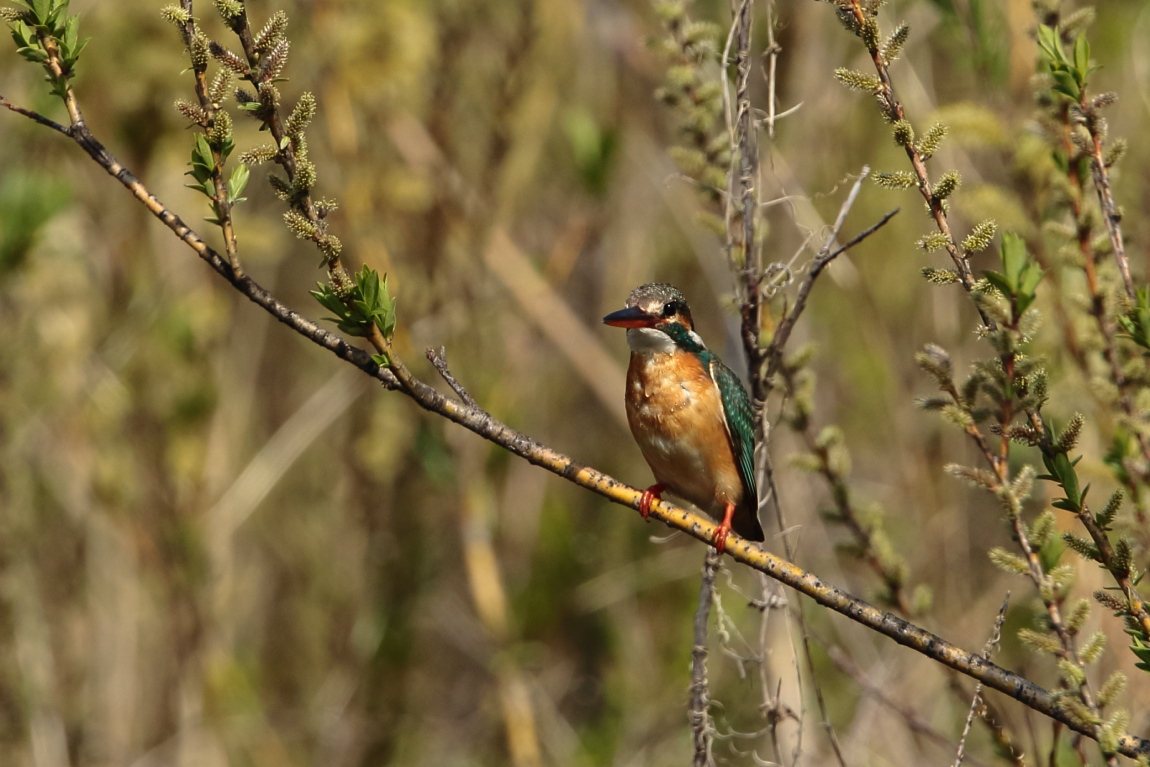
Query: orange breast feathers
x=676, y=415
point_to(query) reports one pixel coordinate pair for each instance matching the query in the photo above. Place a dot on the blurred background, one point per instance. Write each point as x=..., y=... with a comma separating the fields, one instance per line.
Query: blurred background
x=219, y=545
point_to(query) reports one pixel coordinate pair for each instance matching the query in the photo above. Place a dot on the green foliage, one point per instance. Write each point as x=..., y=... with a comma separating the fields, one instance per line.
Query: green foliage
x=45, y=34
x=899, y=179
x=204, y=169
x=946, y=185
x=1141, y=650
x=594, y=149
x=859, y=81
x=929, y=143
x=1061, y=469
x=894, y=43
x=1069, y=74
x=939, y=276
x=1008, y=562
x=28, y=201
x=366, y=303
x=980, y=237
x=1136, y=322
x=1020, y=275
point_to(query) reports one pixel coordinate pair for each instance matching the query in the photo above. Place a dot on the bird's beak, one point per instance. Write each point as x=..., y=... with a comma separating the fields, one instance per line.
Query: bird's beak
x=631, y=317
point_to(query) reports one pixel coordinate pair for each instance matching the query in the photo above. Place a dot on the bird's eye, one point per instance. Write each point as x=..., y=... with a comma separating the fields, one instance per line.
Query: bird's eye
x=670, y=309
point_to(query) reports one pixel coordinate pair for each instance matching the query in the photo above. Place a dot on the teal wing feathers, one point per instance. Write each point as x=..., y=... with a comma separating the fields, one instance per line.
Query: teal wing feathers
x=740, y=421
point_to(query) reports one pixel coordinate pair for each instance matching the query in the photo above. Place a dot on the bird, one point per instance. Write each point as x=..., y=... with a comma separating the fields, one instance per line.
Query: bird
x=689, y=413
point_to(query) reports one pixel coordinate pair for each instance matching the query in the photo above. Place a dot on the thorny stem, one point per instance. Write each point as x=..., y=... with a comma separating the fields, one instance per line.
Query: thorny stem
x=221, y=198
x=484, y=425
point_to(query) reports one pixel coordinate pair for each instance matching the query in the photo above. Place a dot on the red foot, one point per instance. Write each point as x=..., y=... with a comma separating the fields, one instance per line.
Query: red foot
x=653, y=493
x=724, y=529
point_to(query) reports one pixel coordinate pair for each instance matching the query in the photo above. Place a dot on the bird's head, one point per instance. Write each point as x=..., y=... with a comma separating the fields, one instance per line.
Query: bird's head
x=657, y=318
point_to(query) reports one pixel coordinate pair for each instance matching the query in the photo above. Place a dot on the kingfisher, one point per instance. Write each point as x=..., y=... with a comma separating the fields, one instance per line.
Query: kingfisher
x=689, y=413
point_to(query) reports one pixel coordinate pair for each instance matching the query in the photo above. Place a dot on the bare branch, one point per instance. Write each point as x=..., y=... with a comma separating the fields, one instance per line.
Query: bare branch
x=774, y=352
x=439, y=360
x=976, y=702
x=702, y=730
x=36, y=116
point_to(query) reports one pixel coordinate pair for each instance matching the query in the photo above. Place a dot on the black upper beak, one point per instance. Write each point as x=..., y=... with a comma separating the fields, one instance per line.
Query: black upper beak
x=631, y=317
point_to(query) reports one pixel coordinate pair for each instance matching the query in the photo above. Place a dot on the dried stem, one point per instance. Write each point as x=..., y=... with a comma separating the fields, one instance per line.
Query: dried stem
x=744, y=186
x=439, y=360
x=774, y=352
x=702, y=729
x=976, y=702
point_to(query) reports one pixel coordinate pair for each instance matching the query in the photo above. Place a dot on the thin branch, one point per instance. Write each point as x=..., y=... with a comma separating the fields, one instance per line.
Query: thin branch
x=439, y=360
x=774, y=352
x=36, y=116
x=909, y=715
x=693, y=524
x=702, y=729
x=1110, y=213
x=976, y=702
x=209, y=110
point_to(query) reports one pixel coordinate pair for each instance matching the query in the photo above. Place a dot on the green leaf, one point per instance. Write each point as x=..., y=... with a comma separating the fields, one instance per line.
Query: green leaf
x=1051, y=44
x=1000, y=282
x=1013, y=256
x=238, y=181
x=41, y=10
x=1081, y=58
x=1066, y=84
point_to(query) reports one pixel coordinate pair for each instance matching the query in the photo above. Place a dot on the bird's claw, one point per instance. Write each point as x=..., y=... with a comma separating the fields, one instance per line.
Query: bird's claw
x=720, y=537
x=653, y=493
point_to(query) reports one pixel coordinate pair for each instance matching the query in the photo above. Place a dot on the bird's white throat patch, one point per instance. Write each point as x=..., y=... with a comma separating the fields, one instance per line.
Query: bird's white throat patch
x=652, y=341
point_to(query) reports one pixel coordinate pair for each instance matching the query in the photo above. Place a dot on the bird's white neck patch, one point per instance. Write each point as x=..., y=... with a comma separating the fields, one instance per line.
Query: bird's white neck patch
x=652, y=341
